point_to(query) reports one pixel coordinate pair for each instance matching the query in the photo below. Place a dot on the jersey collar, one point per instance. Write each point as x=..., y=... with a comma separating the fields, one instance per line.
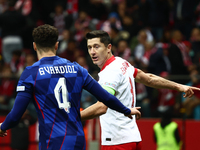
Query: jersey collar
x=111, y=59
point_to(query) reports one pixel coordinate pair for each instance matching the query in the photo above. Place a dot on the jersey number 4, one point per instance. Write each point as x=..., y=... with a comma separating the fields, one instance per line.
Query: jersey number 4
x=61, y=95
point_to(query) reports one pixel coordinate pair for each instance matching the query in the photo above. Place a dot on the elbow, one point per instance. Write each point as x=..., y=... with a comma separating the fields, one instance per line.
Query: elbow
x=102, y=108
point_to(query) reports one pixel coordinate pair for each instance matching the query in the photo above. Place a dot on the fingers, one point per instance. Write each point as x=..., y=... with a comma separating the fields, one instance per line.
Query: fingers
x=189, y=93
x=2, y=133
x=195, y=88
x=130, y=116
x=135, y=111
x=138, y=115
x=137, y=107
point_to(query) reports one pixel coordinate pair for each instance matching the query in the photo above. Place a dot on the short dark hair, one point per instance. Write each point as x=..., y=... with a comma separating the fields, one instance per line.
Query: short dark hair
x=104, y=36
x=45, y=36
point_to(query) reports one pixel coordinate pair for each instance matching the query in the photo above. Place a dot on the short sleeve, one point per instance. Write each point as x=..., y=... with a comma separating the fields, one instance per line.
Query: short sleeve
x=135, y=72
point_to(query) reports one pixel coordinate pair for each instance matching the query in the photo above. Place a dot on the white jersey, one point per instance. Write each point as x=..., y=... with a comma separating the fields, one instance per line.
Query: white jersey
x=118, y=74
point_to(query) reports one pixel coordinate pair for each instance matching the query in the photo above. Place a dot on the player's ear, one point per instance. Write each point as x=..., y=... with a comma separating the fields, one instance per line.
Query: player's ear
x=34, y=46
x=56, y=45
x=109, y=47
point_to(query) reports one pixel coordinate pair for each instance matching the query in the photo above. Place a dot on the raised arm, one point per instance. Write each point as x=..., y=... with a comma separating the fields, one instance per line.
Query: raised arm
x=154, y=81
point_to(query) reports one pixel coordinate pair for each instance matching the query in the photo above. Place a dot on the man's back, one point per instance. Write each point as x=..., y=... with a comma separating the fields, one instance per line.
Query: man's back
x=56, y=84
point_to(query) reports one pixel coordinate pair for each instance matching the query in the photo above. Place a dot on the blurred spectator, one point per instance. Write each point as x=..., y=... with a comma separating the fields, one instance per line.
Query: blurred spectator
x=7, y=89
x=137, y=42
x=17, y=62
x=132, y=7
x=72, y=8
x=113, y=20
x=140, y=49
x=166, y=133
x=158, y=17
x=178, y=56
x=63, y=44
x=177, y=39
x=192, y=105
x=12, y=24
x=123, y=50
x=29, y=9
x=197, y=14
x=158, y=60
x=25, y=6
x=30, y=59
x=130, y=26
x=166, y=97
x=3, y=6
x=184, y=16
x=166, y=37
x=83, y=43
x=195, y=42
x=143, y=100
x=82, y=22
x=143, y=13
x=115, y=37
x=97, y=10
x=60, y=19
x=121, y=8
x=82, y=61
x=72, y=51
x=149, y=50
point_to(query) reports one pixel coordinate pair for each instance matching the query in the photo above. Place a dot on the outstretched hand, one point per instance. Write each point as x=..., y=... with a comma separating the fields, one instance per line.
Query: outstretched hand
x=136, y=112
x=2, y=133
x=189, y=91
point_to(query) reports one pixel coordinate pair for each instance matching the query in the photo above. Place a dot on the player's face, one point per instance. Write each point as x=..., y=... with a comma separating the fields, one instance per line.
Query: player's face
x=98, y=52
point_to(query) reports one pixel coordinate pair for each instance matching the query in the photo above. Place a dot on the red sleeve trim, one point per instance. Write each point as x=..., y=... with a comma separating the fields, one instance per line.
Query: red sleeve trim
x=135, y=73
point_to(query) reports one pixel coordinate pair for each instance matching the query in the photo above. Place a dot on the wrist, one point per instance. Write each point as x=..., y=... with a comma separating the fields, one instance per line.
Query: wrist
x=128, y=112
x=1, y=127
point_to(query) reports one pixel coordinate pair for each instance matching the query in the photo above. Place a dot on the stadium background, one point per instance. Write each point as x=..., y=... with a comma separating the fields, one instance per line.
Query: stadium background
x=157, y=36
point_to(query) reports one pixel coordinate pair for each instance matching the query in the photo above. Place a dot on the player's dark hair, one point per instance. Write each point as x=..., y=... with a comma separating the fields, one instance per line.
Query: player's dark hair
x=45, y=36
x=104, y=37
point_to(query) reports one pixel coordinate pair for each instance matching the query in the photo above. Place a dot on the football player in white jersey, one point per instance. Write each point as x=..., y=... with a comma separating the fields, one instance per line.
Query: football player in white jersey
x=118, y=77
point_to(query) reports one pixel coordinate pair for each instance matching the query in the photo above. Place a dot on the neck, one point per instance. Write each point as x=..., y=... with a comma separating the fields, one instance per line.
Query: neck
x=45, y=54
x=108, y=57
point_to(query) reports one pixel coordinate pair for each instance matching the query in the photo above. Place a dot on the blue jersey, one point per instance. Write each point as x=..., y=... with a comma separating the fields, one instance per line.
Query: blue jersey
x=55, y=85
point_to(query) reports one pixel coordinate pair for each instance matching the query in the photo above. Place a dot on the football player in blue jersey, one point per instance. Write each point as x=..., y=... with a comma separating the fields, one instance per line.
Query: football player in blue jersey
x=54, y=85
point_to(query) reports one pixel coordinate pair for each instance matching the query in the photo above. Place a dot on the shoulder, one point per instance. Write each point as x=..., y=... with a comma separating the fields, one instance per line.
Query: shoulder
x=112, y=67
x=156, y=125
x=29, y=74
x=174, y=124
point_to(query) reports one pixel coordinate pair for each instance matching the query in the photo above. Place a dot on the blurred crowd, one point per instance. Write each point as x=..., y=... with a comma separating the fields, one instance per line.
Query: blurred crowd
x=157, y=36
